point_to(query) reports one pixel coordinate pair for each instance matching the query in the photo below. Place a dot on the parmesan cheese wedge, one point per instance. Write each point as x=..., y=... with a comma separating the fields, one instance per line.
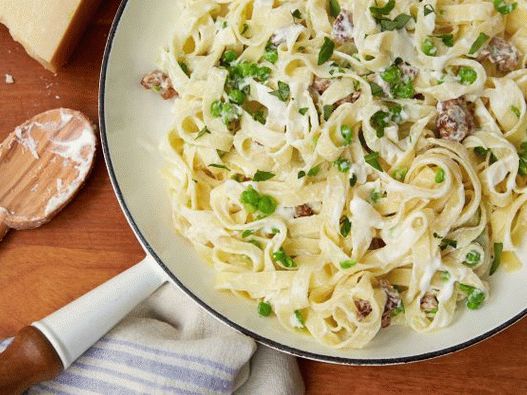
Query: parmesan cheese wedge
x=48, y=30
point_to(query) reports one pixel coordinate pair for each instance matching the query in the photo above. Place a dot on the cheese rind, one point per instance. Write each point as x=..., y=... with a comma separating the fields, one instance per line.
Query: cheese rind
x=48, y=30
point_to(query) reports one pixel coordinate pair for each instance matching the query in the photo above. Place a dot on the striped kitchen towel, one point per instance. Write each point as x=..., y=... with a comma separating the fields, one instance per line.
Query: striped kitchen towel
x=168, y=345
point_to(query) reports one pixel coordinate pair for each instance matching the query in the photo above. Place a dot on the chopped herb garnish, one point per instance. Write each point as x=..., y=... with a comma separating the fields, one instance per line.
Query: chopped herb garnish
x=301, y=174
x=215, y=108
x=219, y=166
x=498, y=249
x=259, y=116
x=481, y=151
x=271, y=53
x=326, y=50
x=347, y=263
x=392, y=74
x=400, y=173
x=474, y=296
x=472, y=258
x=467, y=75
x=343, y=165
x=237, y=96
x=447, y=243
x=373, y=160
x=403, y=90
x=296, y=14
x=202, y=132
x=385, y=10
x=376, y=90
x=522, y=153
x=303, y=110
x=503, y=7
x=398, y=22
x=445, y=275
x=347, y=134
x=283, y=91
x=353, y=180
x=244, y=29
x=375, y=196
x=281, y=257
x=334, y=8
x=440, y=176
x=247, y=233
x=228, y=57
x=482, y=38
x=300, y=318
x=264, y=309
x=428, y=9
x=262, y=175
x=314, y=171
x=327, y=111
x=345, y=226
x=379, y=121
x=275, y=231
x=428, y=47
x=516, y=111
x=447, y=39
x=184, y=67
x=255, y=243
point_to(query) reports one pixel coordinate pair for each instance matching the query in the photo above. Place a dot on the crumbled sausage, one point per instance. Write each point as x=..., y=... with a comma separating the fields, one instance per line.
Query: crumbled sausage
x=455, y=120
x=429, y=303
x=363, y=308
x=343, y=27
x=319, y=85
x=376, y=243
x=393, y=301
x=304, y=210
x=352, y=98
x=159, y=82
x=502, y=53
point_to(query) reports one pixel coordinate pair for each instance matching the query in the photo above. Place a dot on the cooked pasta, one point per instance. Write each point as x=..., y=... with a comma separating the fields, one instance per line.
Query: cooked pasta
x=349, y=164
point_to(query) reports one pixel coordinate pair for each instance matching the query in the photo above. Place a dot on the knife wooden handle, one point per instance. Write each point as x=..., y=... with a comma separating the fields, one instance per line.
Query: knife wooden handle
x=29, y=359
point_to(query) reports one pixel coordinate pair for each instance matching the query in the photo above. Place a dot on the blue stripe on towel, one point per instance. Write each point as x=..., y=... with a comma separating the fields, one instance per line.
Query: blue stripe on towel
x=184, y=357
x=183, y=374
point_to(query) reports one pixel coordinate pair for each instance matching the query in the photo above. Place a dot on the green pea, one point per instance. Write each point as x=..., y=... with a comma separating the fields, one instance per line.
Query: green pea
x=267, y=205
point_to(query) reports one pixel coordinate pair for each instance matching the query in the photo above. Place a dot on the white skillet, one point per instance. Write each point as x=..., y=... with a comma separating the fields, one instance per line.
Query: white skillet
x=132, y=124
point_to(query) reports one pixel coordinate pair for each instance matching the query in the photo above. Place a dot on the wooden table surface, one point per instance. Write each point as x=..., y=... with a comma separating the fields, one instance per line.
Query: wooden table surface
x=90, y=242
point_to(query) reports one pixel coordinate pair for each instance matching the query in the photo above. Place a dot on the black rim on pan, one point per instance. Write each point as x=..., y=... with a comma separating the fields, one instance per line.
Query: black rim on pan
x=260, y=339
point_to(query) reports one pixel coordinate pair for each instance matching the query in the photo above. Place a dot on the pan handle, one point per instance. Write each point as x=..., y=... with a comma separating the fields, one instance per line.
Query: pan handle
x=41, y=351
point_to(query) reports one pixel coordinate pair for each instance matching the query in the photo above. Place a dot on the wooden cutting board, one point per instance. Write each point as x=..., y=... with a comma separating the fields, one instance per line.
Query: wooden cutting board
x=90, y=241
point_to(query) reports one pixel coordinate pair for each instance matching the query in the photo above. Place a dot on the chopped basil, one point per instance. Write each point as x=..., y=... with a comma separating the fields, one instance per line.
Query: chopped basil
x=303, y=110
x=202, y=132
x=264, y=309
x=281, y=257
x=353, y=180
x=184, y=67
x=498, y=249
x=400, y=173
x=314, y=171
x=271, y=53
x=327, y=111
x=347, y=263
x=215, y=108
x=379, y=121
x=445, y=275
x=301, y=174
x=262, y=175
x=474, y=296
x=343, y=165
x=467, y=75
x=347, y=134
x=428, y=9
x=503, y=7
x=244, y=29
x=228, y=57
x=522, y=153
x=219, y=166
x=481, y=151
x=447, y=39
x=283, y=91
x=247, y=233
x=376, y=90
x=345, y=226
x=445, y=243
x=259, y=116
x=428, y=47
x=296, y=14
x=482, y=38
x=385, y=10
x=334, y=8
x=326, y=50
x=472, y=258
x=398, y=22
x=373, y=160
x=440, y=176
x=375, y=196
x=300, y=318
x=516, y=111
